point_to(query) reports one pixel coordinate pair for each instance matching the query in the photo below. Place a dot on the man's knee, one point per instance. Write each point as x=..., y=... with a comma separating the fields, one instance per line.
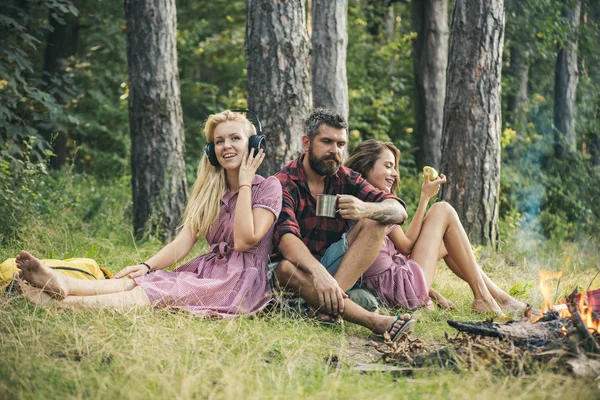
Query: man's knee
x=370, y=225
x=369, y=228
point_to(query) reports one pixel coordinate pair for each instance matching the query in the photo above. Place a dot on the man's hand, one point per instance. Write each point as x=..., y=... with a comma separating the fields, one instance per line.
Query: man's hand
x=331, y=296
x=352, y=208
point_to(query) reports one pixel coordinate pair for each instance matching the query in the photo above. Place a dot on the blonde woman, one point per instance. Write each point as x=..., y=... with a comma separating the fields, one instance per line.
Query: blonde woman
x=230, y=205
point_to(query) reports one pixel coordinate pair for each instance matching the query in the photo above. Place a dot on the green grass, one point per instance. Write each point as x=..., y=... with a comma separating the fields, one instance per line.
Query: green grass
x=160, y=354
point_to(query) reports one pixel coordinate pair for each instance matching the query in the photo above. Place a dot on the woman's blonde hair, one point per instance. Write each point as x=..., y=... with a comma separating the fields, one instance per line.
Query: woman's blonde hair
x=365, y=155
x=202, y=209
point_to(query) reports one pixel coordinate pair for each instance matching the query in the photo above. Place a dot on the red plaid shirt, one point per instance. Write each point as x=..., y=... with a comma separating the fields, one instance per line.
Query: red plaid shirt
x=298, y=212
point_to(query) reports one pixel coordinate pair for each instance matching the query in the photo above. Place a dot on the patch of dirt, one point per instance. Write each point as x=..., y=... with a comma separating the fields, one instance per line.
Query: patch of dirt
x=361, y=350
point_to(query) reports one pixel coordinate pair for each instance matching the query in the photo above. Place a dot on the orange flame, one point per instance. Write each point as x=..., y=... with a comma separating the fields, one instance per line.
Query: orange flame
x=585, y=310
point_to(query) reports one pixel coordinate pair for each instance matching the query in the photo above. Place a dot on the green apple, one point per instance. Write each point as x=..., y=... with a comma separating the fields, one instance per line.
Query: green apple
x=433, y=174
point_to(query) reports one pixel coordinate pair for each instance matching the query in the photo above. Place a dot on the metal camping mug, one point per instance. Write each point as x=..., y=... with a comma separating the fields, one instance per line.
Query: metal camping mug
x=326, y=205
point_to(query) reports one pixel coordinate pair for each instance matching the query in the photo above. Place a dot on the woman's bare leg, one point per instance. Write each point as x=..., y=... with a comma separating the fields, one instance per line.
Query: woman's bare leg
x=504, y=299
x=442, y=224
x=124, y=300
x=53, y=282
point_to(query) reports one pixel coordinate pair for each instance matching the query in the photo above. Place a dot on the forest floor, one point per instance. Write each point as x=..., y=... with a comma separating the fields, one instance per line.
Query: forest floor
x=48, y=353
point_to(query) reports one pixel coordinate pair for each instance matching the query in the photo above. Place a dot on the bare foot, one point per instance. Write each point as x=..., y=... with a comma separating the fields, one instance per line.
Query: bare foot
x=33, y=294
x=41, y=276
x=485, y=306
x=512, y=304
x=441, y=300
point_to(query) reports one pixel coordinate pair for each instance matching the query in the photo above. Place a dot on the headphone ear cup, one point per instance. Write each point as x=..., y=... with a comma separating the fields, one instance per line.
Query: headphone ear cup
x=256, y=142
x=209, y=150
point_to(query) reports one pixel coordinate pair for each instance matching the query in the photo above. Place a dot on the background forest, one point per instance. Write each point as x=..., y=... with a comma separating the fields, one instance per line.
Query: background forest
x=66, y=190
x=64, y=93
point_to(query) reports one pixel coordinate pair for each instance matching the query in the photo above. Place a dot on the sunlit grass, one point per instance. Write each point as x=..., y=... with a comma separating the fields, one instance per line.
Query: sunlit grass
x=46, y=353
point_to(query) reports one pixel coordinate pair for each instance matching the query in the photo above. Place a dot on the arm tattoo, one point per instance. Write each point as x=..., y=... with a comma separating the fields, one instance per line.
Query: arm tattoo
x=389, y=214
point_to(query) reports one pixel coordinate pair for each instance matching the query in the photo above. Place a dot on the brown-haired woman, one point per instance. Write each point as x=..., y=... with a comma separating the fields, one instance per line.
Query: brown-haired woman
x=403, y=272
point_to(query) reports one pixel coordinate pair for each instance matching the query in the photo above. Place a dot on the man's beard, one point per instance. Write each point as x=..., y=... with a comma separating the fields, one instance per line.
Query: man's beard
x=326, y=166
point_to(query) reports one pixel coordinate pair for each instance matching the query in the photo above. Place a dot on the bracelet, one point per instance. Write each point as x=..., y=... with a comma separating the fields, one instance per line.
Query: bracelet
x=245, y=184
x=149, y=269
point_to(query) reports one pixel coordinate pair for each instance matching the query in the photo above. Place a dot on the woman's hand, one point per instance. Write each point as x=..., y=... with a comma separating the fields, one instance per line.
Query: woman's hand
x=250, y=164
x=431, y=188
x=133, y=271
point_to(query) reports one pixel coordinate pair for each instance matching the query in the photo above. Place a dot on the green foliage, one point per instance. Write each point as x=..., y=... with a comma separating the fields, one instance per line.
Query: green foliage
x=26, y=103
x=212, y=65
x=20, y=182
x=380, y=77
x=99, y=136
x=28, y=106
x=556, y=199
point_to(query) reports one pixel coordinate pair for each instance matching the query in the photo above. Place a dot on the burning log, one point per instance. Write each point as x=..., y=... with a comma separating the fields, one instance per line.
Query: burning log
x=587, y=341
x=521, y=333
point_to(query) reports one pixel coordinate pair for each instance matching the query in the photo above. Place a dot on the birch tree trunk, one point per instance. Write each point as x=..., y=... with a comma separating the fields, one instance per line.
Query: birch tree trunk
x=157, y=142
x=565, y=82
x=279, y=88
x=430, y=22
x=471, y=133
x=328, y=67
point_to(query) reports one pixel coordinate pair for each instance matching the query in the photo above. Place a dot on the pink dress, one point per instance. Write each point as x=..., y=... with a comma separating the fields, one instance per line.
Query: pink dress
x=222, y=282
x=398, y=280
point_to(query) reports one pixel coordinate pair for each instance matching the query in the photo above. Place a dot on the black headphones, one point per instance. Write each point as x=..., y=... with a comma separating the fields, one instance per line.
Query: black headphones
x=255, y=142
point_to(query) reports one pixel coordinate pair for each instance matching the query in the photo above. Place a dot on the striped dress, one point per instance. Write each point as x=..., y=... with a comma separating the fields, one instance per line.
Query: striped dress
x=398, y=280
x=222, y=282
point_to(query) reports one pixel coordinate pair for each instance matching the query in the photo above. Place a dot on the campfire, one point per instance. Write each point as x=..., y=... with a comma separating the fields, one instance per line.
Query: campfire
x=567, y=333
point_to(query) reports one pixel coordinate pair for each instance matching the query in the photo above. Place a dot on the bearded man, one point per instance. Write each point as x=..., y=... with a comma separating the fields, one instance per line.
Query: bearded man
x=320, y=258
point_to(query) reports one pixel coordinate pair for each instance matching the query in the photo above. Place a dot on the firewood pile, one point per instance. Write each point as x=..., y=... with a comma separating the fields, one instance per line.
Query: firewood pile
x=568, y=339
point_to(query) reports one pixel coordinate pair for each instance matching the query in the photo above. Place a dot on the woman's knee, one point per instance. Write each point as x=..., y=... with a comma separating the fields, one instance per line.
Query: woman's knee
x=442, y=209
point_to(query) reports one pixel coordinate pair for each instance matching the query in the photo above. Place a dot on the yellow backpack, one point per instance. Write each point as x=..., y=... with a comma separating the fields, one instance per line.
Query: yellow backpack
x=80, y=268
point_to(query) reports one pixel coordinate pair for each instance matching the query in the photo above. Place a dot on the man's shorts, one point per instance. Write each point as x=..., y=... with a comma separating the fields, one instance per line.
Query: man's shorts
x=331, y=260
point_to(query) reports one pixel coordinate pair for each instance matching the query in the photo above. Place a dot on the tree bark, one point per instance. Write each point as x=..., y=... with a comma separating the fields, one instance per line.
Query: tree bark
x=565, y=82
x=471, y=132
x=155, y=121
x=328, y=67
x=61, y=44
x=279, y=88
x=430, y=59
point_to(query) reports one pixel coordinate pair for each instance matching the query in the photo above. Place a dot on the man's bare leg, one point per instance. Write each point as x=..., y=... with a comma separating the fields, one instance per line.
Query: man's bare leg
x=53, y=282
x=364, y=243
x=290, y=277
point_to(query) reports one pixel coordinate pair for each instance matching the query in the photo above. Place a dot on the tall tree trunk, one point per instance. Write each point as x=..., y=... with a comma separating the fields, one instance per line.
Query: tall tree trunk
x=61, y=44
x=328, y=65
x=565, y=82
x=430, y=21
x=277, y=57
x=155, y=122
x=471, y=133
x=517, y=99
